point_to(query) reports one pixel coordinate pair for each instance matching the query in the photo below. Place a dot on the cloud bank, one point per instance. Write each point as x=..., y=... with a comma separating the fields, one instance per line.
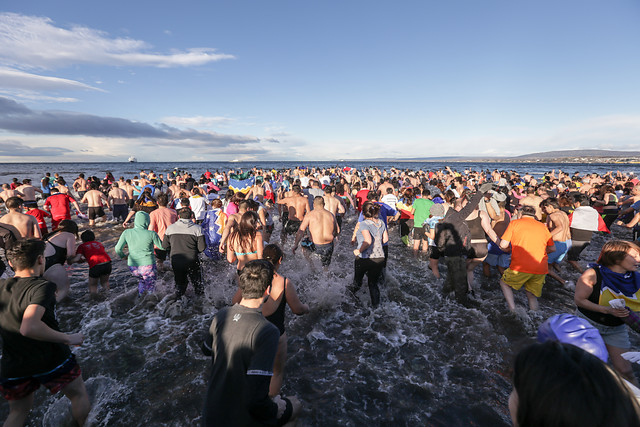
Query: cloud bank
x=16, y=117
x=36, y=42
x=10, y=148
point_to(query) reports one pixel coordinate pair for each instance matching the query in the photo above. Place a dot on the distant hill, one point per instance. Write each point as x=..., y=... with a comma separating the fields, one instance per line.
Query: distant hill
x=551, y=156
x=579, y=153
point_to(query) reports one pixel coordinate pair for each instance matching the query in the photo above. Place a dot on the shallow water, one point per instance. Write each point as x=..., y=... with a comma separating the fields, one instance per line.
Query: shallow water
x=419, y=359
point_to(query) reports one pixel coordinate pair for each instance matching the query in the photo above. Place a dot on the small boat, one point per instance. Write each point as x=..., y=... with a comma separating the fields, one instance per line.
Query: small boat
x=132, y=159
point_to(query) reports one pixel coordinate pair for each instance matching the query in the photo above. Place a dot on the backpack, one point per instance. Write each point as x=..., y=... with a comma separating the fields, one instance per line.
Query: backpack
x=7, y=237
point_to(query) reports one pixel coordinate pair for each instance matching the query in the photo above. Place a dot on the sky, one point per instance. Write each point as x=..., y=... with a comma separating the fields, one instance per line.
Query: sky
x=315, y=80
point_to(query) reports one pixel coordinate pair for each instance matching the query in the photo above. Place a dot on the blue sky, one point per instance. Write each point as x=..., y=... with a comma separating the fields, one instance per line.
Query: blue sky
x=311, y=80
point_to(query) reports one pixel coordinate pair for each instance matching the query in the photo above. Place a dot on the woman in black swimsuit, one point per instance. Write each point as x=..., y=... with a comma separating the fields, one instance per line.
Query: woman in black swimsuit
x=281, y=293
x=60, y=248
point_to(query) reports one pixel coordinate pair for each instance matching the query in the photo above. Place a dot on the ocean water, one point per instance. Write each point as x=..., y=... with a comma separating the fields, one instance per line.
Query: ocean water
x=69, y=171
x=418, y=359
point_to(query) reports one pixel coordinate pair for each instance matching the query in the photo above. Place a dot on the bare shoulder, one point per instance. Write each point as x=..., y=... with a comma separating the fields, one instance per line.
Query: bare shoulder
x=589, y=277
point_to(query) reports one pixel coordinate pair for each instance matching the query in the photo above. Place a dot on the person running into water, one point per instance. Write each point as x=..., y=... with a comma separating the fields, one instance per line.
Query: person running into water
x=530, y=242
x=99, y=262
x=245, y=241
x=60, y=248
x=370, y=237
x=282, y=292
x=58, y=204
x=117, y=198
x=20, y=223
x=94, y=199
x=297, y=207
x=323, y=229
x=558, y=225
x=243, y=345
x=34, y=350
x=141, y=259
x=184, y=240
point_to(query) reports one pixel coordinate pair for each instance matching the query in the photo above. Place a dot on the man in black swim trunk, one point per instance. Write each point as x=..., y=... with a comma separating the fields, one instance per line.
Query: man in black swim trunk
x=297, y=206
x=29, y=330
x=323, y=228
x=95, y=198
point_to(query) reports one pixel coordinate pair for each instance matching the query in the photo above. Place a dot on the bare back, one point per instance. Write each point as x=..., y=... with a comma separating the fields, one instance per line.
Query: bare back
x=25, y=225
x=558, y=224
x=29, y=192
x=297, y=206
x=94, y=198
x=322, y=226
x=117, y=196
x=332, y=204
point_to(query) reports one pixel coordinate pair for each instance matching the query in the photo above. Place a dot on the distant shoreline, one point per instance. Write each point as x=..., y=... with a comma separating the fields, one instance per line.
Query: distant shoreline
x=568, y=160
x=631, y=160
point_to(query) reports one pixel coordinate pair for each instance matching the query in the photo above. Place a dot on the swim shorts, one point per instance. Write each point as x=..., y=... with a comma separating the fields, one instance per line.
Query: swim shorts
x=498, y=260
x=292, y=226
x=324, y=251
x=100, y=270
x=95, y=212
x=532, y=282
x=561, y=250
x=418, y=233
x=55, y=380
x=120, y=211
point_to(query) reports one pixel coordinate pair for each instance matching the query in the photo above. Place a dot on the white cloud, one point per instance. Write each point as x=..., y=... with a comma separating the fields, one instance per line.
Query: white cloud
x=36, y=42
x=15, y=79
x=35, y=96
x=198, y=121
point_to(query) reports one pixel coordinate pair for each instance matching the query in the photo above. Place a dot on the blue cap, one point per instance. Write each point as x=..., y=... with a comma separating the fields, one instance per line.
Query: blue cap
x=574, y=330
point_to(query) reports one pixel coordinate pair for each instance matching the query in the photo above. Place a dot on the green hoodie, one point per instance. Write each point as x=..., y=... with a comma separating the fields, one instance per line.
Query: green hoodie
x=140, y=242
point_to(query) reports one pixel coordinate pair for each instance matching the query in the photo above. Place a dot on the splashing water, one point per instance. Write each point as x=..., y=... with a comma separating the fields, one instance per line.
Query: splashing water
x=417, y=359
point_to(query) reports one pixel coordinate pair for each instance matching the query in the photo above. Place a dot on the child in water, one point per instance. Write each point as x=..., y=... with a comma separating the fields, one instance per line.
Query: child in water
x=98, y=259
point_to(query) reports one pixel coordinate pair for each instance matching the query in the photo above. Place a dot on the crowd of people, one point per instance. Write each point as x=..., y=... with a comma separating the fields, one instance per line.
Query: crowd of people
x=520, y=225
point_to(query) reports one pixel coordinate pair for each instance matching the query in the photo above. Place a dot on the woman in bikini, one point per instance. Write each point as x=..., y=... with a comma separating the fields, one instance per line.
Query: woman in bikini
x=245, y=241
